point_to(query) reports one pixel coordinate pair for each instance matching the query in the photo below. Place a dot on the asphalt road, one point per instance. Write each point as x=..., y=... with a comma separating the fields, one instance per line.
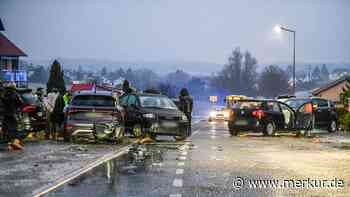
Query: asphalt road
x=212, y=163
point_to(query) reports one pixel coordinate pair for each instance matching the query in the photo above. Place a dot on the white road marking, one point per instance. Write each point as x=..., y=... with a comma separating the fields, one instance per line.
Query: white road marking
x=177, y=183
x=179, y=171
x=213, y=137
x=184, y=153
x=181, y=163
x=182, y=158
x=175, y=195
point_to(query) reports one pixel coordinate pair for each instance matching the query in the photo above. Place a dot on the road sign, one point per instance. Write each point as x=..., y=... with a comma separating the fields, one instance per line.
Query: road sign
x=213, y=99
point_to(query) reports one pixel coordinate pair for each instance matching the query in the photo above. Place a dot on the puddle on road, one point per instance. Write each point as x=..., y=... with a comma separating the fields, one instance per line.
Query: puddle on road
x=128, y=175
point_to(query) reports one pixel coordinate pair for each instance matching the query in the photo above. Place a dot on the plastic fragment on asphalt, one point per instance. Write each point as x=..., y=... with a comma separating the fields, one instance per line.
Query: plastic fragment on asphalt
x=181, y=158
x=175, y=195
x=177, y=183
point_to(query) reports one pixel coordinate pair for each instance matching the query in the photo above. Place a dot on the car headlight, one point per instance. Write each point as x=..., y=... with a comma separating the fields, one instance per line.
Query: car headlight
x=184, y=117
x=226, y=114
x=150, y=116
x=212, y=114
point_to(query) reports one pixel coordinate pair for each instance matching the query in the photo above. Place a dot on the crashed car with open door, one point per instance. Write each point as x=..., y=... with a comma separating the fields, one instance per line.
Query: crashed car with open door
x=267, y=117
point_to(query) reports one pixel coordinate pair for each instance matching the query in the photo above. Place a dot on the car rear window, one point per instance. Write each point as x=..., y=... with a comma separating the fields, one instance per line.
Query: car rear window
x=91, y=116
x=242, y=104
x=28, y=98
x=93, y=100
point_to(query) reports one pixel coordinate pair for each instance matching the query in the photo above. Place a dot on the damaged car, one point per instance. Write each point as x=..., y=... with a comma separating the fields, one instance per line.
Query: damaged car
x=94, y=116
x=269, y=117
x=154, y=114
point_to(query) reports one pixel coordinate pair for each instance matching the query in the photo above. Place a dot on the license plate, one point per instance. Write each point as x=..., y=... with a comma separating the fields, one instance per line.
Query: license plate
x=241, y=122
x=40, y=114
x=169, y=124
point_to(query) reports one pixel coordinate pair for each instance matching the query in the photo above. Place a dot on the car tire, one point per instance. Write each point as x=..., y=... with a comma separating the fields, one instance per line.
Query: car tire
x=137, y=130
x=233, y=132
x=332, y=126
x=270, y=129
x=67, y=137
x=153, y=136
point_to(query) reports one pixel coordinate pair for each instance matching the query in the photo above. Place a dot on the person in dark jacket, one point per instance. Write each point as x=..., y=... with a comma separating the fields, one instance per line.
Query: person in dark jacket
x=56, y=115
x=186, y=105
x=11, y=103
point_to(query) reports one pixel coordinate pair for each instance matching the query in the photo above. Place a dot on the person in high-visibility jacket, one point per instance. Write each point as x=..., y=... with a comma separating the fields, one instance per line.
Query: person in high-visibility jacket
x=67, y=98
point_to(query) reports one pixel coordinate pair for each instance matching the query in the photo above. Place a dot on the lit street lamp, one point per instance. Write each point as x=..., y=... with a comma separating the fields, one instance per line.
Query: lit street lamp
x=278, y=29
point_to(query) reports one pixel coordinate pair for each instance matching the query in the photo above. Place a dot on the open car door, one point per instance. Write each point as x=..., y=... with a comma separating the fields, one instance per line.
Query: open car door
x=304, y=118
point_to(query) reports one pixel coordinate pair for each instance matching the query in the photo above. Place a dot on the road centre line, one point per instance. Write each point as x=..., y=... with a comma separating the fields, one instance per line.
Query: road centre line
x=179, y=171
x=177, y=182
x=175, y=195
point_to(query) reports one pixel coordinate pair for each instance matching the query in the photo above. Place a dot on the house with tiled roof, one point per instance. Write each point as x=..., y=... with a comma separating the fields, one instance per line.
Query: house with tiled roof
x=332, y=90
x=11, y=70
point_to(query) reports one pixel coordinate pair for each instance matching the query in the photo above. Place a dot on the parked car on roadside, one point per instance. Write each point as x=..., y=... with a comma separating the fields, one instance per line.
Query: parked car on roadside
x=93, y=115
x=266, y=116
x=154, y=114
x=325, y=115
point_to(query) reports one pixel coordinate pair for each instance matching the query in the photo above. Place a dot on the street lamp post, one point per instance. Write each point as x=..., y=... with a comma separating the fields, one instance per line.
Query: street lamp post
x=279, y=28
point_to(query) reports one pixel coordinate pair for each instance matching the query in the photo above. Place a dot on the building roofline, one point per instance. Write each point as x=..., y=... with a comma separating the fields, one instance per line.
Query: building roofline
x=19, y=53
x=331, y=84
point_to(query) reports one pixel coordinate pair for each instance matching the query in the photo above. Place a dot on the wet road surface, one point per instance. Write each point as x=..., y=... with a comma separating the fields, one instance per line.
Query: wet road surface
x=212, y=163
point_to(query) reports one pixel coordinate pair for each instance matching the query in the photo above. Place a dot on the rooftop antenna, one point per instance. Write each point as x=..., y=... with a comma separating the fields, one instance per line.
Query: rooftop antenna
x=2, y=28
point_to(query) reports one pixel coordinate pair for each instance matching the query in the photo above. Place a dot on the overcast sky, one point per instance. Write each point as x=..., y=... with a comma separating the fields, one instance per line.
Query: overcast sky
x=185, y=30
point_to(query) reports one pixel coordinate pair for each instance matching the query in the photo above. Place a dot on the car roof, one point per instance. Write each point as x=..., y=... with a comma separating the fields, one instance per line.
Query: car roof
x=258, y=100
x=150, y=94
x=306, y=98
x=89, y=92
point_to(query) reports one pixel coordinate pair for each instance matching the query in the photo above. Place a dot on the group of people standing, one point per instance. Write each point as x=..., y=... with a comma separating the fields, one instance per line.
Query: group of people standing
x=51, y=105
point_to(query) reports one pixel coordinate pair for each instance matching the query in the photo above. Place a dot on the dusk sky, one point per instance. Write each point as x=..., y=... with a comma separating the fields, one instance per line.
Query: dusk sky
x=184, y=30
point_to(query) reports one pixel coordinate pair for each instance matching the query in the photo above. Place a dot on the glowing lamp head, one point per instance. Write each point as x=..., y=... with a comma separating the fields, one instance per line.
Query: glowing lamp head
x=278, y=28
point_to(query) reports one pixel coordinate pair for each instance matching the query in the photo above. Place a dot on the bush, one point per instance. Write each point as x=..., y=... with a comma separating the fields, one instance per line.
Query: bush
x=344, y=120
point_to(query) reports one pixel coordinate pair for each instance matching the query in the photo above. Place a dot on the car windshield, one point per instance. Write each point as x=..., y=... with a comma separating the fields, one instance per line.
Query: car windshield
x=157, y=102
x=296, y=103
x=93, y=100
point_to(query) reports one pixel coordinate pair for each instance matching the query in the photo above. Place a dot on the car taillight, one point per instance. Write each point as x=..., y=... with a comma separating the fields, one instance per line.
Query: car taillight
x=28, y=109
x=67, y=127
x=258, y=114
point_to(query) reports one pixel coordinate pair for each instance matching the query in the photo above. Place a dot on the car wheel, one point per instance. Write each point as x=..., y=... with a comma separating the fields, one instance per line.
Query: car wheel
x=137, y=130
x=153, y=136
x=270, y=129
x=233, y=132
x=332, y=126
x=66, y=137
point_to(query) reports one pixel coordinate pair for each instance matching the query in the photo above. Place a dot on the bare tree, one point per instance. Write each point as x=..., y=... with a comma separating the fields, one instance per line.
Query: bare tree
x=273, y=82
